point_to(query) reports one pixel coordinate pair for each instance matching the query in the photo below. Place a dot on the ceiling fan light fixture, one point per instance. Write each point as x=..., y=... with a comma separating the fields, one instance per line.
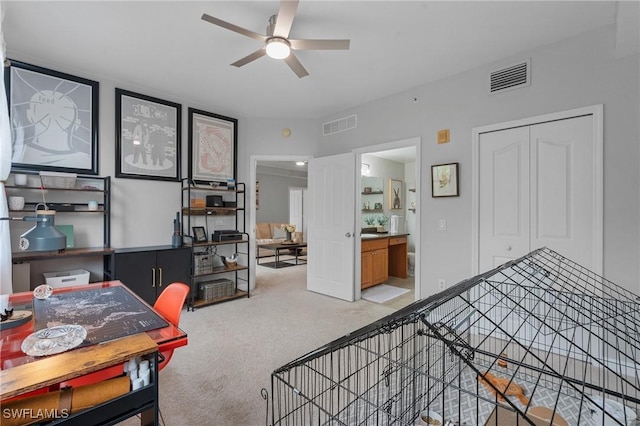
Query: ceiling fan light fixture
x=278, y=48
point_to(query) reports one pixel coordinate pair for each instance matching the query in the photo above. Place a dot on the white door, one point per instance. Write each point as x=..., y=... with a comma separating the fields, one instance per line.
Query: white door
x=536, y=189
x=504, y=196
x=563, y=195
x=331, y=226
x=296, y=212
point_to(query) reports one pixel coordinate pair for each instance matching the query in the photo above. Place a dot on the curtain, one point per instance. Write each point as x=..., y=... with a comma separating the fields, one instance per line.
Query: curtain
x=6, y=284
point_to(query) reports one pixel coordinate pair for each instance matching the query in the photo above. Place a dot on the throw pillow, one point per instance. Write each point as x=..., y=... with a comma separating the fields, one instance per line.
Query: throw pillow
x=279, y=233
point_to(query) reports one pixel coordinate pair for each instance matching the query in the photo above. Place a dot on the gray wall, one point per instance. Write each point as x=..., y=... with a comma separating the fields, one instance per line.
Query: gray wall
x=274, y=196
x=577, y=72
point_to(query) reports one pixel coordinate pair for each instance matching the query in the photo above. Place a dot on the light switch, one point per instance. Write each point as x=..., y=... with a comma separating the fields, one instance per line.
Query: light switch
x=442, y=225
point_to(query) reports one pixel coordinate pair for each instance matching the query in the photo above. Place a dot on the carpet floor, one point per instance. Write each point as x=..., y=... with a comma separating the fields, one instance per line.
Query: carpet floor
x=234, y=346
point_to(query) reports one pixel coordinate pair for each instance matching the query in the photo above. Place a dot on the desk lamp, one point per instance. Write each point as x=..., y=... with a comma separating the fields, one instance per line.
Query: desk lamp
x=44, y=236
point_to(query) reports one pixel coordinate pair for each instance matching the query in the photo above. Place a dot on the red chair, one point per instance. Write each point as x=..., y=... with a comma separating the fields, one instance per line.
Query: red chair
x=169, y=304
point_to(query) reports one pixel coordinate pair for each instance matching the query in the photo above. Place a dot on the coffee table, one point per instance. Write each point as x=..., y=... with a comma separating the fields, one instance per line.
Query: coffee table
x=294, y=248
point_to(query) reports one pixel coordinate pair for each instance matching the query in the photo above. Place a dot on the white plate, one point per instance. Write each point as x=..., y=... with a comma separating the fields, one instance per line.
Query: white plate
x=42, y=291
x=53, y=340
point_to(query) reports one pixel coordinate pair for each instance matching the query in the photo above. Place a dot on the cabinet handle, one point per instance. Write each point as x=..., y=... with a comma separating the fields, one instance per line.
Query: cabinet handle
x=160, y=269
x=153, y=282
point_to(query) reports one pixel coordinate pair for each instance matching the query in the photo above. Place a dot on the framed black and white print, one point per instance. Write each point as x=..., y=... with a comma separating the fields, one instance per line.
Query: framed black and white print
x=212, y=147
x=54, y=120
x=148, y=137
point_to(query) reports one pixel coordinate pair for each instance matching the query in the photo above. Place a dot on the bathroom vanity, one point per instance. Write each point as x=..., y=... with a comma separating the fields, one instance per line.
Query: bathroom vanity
x=383, y=255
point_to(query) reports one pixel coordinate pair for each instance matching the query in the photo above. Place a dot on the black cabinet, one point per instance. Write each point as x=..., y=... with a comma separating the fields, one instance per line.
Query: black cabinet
x=148, y=270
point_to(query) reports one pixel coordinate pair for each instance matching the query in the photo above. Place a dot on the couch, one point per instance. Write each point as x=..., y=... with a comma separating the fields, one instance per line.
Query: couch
x=271, y=232
x=267, y=233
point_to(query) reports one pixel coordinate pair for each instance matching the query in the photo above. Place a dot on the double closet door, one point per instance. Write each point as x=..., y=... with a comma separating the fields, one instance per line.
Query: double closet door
x=537, y=189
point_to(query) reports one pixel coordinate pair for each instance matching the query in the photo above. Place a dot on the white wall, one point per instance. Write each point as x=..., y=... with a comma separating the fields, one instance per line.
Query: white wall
x=574, y=73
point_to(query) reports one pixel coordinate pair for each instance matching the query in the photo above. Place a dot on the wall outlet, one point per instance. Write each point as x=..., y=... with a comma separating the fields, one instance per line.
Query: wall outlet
x=442, y=283
x=442, y=225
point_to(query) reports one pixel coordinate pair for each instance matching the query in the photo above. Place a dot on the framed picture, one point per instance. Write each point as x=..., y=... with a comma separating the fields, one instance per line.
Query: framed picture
x=54, y=120
x=212, y=147
x=148, y=137
x=199, y=235
x=257, y=195
x=395, y=194
x=444, y=180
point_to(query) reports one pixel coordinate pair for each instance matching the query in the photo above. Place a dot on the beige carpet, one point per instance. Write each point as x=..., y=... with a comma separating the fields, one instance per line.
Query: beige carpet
x=234, y=347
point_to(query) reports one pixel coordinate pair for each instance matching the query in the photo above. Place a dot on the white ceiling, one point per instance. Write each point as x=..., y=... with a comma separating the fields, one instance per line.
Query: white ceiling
x=163, y=49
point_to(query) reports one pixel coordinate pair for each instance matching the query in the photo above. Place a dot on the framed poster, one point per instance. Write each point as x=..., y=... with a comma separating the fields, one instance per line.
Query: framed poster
x=148, y=137
x=212, y=147
x=54, y=120
x=444, y=180
x=395, y=194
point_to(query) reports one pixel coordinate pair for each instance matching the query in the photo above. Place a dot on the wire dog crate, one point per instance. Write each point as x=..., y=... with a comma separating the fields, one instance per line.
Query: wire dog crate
x=537, y=341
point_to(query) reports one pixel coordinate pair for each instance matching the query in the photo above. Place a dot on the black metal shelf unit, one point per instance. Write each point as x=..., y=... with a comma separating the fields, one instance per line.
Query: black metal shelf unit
x=213, y=278
x=100, y=186
x=68, y=203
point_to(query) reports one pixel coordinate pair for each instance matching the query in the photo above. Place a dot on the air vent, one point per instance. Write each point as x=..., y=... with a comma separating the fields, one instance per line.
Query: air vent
x=512, y=77
x=340, y=125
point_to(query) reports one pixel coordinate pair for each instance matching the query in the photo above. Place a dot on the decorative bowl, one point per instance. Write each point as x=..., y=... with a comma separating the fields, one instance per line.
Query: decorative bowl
x=429, y=418
x=230, y=261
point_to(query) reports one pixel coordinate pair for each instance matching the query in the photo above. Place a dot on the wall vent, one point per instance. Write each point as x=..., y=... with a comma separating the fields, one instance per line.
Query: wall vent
x=513, y=77
x=340, y=125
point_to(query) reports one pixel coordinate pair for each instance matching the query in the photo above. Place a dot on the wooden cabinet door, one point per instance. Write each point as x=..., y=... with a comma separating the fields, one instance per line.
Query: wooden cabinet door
x=366, y=274
x=171, y=266
x=135, y=270
x=380, y=265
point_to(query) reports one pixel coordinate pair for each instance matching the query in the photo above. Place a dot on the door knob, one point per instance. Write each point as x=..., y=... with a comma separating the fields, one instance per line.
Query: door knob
x=508, y=248
x=348, y=235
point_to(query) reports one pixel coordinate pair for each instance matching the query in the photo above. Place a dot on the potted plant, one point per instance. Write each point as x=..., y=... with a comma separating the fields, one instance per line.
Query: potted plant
x=382, y=220
x=370, y=220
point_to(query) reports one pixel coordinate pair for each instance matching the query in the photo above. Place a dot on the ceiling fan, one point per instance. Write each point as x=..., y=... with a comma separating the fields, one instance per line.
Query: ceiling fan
x=277, y=43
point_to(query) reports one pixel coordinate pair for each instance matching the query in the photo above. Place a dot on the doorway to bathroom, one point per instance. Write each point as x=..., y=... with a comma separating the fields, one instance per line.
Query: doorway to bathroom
x=388, y=210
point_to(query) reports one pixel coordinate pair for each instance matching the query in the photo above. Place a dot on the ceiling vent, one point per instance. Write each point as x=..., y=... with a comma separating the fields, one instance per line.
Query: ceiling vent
x=340, y=125
x=513, y=77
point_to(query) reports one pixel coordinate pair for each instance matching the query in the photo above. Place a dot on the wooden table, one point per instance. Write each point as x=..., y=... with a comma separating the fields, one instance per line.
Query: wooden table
x=278, y=247
x=21, y=373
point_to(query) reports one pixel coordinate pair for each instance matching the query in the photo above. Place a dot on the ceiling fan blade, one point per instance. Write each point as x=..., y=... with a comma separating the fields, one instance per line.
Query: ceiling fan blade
x=320, y=44
x=296, y=66
x=284, y=21
x=249, y=58
x=235, y=28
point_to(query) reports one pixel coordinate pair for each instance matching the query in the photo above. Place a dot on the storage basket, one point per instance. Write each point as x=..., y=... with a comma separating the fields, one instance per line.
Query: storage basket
x=202, y=263
x=58, y=180
x=215, y=289
x=66, y=278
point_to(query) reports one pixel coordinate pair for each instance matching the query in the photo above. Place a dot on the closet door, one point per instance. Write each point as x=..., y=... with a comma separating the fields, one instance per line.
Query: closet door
x=536, y=189
x=504, y=196
x=562, y=201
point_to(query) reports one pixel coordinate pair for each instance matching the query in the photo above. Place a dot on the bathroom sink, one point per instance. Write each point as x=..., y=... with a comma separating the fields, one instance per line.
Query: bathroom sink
x=365, y=236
